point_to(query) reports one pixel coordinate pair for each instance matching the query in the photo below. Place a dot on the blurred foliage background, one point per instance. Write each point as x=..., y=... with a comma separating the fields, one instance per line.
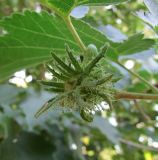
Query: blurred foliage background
x=129, y=131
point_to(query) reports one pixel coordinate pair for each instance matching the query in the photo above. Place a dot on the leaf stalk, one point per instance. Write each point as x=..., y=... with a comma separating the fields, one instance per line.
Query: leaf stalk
x=74, y=33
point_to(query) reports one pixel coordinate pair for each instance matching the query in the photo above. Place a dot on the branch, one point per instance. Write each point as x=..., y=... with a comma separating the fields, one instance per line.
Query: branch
x=133, y=95
x=137, y=145
x=139, y=77
x=142, y=112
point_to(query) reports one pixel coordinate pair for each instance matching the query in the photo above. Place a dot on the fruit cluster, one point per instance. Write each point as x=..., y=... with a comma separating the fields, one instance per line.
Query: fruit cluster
x=78, y=85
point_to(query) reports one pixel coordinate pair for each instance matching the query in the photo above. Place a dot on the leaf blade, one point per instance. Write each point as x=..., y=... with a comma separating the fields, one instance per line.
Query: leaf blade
x=64, y=7
x=24, y=46
x=29, y=43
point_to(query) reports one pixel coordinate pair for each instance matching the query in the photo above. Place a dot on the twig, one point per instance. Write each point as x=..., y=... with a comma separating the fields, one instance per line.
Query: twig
x=139, y=77
x=137, y=145
x=142, y=112
x=133, y=95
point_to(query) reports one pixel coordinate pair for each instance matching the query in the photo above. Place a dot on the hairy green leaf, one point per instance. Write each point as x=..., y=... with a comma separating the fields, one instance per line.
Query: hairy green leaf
x=136, y=43
x=64, y=7
x=100, y=2
x=30, y=37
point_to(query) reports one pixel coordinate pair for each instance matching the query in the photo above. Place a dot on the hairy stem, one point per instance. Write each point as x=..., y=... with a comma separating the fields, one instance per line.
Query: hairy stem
x=69, y=24
x=133, y=95
x=74, y=33
x=139, y=77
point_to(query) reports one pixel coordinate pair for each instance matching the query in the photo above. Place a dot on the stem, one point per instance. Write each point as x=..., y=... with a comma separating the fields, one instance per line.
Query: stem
x=133, y=95
x=139, y=77
x=74, y=33
x=137, y=145
x=69, y=25
x=142, y=112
